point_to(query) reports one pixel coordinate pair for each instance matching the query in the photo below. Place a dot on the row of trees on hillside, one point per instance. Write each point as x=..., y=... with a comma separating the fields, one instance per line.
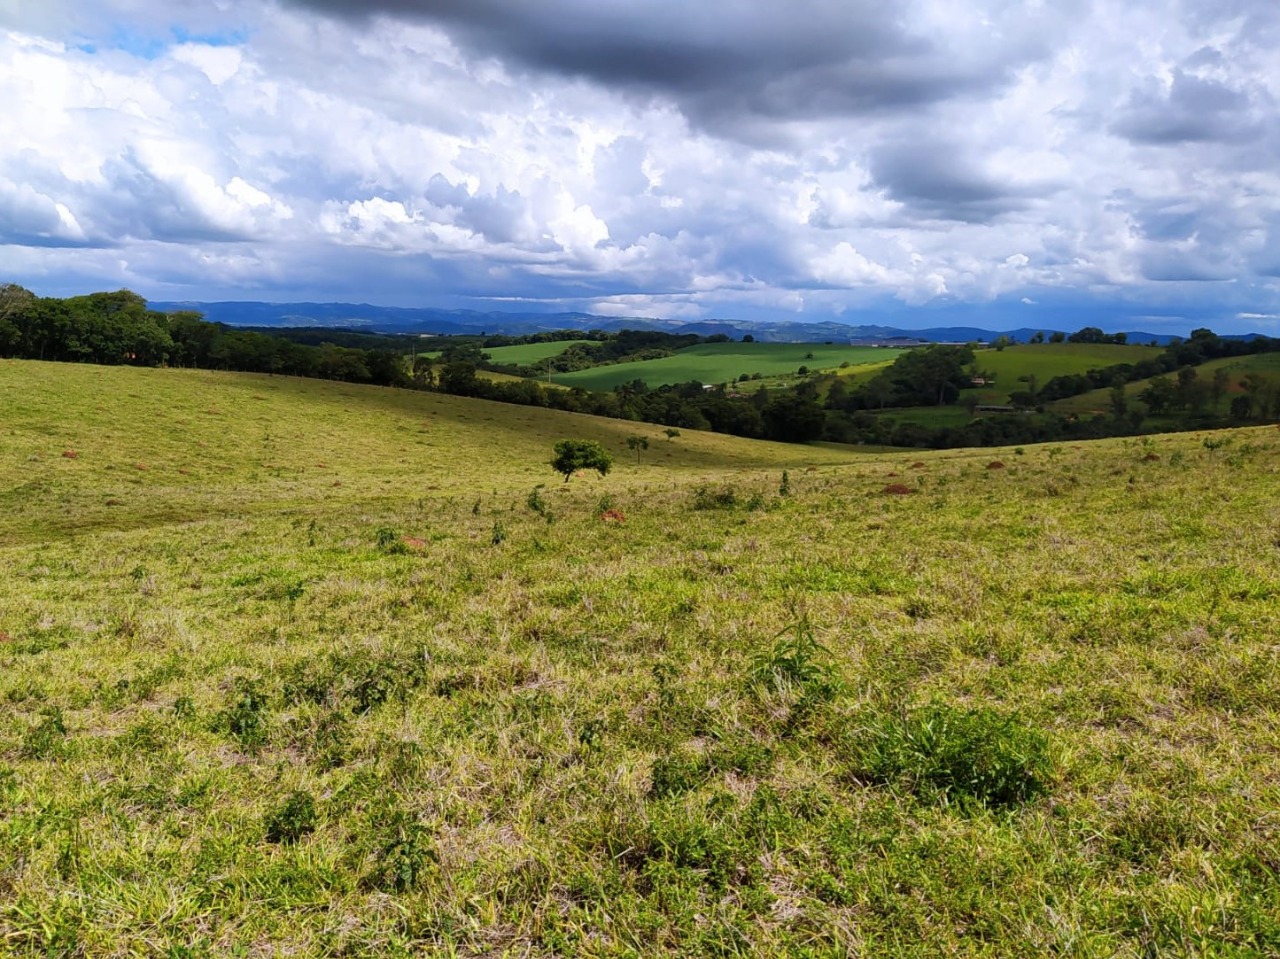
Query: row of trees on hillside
x=117, y=328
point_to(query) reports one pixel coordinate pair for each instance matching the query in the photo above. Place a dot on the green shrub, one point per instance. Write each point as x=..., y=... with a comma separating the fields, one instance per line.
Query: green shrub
x=292, y=819
x=386, y=538
x=535, y=501
x=704, y=497
x=950, y=754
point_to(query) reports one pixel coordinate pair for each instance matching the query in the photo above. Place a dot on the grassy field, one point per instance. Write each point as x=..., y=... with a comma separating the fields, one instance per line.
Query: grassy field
x=724, y=362
x=524, y=353
x=290, y=668
x=1047, y=360
x=1043, y=360
x=1098, y=401
x=527, y=353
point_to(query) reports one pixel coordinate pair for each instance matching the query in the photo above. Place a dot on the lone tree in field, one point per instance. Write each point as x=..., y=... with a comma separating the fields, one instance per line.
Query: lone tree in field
x=574, y=455
x=637, y=443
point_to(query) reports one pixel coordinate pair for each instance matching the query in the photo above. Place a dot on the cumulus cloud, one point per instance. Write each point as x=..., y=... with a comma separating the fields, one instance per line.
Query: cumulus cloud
x=657, y=157
x=719, y=58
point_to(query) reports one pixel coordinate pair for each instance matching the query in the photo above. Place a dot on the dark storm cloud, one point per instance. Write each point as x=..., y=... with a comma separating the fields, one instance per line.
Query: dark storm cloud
x=720, y=59
x=936, y=181
x=1190, y=109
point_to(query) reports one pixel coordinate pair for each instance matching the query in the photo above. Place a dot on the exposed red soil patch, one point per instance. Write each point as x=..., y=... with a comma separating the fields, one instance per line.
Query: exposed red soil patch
x=1150, y=457
x=141, y=466
x=70, y=455
x=414, y=542
x=995, y=465
x=897, y=489
x=612, y=516
x=917, y=466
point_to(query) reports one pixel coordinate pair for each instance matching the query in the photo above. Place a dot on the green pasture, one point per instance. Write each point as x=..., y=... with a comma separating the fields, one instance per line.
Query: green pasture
x=1044, y=361
x=74, y=455
x=523, y=354
x=1099, y=401
x=292, y=668
x=724, y=363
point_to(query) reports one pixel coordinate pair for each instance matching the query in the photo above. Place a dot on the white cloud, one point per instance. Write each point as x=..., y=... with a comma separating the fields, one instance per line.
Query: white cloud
x=998, y=151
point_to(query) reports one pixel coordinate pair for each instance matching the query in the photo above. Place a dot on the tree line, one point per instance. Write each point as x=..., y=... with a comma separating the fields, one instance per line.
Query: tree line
x=117, y=328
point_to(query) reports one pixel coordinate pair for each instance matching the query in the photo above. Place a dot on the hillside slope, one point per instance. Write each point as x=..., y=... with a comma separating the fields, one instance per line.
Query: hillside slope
x=971, y=703
x=87, y=446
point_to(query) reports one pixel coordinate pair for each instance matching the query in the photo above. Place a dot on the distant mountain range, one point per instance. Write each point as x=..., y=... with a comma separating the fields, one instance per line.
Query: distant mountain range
x=387, y=319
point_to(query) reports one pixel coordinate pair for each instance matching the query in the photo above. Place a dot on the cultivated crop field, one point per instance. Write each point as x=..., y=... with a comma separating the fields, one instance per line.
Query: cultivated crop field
x=292, y=668
x=725, y=362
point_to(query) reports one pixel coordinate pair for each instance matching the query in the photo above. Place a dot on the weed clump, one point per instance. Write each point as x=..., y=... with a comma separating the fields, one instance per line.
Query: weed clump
x=955, y=755
x=47, y=738
x=389, y=541
x=403, y=852
x=291, y=820
x=796, y=661
x=245, y=718
x=707, y=498
x=535, y=502
x=677, y=773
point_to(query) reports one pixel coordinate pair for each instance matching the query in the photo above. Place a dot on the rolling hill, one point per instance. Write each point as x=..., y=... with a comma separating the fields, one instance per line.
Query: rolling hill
x=292, y=667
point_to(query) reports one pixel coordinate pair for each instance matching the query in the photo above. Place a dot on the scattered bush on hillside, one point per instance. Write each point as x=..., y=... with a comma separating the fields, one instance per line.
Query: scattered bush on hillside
x=388, y=540
x=724, y=497
x=535, y=502
x=574, y=455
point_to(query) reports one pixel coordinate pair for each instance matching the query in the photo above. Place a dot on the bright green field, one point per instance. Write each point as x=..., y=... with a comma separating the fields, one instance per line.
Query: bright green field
x=527, y=353
x=1044, y=361
x=723, y=362
x=350, y=685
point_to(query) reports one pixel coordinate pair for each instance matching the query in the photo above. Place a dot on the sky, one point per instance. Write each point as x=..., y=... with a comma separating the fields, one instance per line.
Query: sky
x=1006, y=163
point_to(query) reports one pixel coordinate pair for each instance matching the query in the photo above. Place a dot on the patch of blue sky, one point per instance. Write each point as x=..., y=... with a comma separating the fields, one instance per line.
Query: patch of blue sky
x=221, y=38
x=150, y=46
x=144, y=46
